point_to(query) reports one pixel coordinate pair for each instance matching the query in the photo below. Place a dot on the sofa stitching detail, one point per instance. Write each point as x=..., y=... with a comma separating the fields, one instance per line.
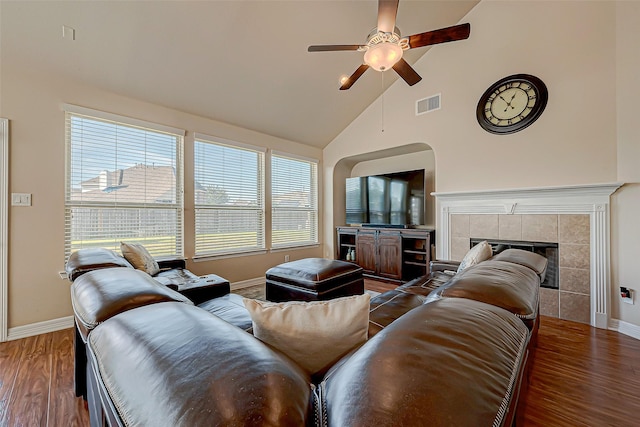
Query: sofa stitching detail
x=514, y=373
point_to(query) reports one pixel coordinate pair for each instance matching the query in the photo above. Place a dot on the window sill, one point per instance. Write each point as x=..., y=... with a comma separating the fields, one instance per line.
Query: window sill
x=294, y=247
x=205, y=258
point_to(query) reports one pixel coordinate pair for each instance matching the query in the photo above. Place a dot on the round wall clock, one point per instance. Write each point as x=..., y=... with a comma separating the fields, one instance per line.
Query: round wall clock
x=511, y=104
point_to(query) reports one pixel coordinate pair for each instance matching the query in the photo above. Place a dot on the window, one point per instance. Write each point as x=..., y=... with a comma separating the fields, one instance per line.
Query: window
x=123, y=183
x=229, y=197
x=294, y=201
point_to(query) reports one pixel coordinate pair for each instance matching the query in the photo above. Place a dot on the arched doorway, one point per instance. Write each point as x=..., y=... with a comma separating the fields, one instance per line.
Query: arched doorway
x=397, y=159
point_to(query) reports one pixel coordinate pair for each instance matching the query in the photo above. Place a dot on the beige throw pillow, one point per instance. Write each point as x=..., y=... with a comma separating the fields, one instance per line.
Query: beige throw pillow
x=139, y=257
x=314, y=334
x=480, y=252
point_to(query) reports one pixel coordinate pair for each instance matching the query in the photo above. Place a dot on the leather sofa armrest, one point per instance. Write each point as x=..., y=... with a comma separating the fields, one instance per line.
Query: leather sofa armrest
x=169, y=264
x=444, y=265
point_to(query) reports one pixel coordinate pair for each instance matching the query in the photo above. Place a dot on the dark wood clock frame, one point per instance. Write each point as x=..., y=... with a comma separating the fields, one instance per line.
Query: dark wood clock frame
x=507, y=126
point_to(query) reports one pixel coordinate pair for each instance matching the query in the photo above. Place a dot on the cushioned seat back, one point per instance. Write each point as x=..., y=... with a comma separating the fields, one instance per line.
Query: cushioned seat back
x=89, y=259
x=171, y=364
x=100, y=294
x=390, y=306
x=454, y=362
x=536, y=262
x=510, y=286
x=424, y=285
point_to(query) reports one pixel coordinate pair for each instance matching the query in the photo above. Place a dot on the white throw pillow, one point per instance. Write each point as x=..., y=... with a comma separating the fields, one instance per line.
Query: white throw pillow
x=480, y=252
x=139, y=258
x=314, y=334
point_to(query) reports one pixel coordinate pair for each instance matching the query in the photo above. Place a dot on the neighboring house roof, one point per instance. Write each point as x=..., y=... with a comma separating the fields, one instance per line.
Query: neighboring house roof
x=137, y=184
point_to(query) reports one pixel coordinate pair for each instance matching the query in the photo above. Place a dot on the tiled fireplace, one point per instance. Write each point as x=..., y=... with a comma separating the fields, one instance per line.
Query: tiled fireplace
x=572, y=301
x=576, y=218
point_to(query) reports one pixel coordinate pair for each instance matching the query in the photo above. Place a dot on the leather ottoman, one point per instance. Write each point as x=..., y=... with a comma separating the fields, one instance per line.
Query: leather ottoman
x=313, y=279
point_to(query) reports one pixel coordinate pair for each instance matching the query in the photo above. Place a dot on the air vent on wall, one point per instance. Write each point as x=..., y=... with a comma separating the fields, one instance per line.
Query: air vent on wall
x=427, y=105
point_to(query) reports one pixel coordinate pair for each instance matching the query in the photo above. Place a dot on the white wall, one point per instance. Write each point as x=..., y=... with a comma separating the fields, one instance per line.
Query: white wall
x=625, y=231
x=579, y=139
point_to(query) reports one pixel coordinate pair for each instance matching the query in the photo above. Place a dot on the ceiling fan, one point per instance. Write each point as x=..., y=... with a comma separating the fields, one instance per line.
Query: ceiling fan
x=384, y=46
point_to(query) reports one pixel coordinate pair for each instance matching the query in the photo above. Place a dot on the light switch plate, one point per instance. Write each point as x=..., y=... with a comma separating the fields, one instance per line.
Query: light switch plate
x=20, y=199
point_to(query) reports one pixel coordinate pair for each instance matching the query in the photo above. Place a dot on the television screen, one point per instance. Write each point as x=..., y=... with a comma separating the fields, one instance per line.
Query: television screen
x=356, y=200
x=395, y=199
x=398, y=192
x=378, y=194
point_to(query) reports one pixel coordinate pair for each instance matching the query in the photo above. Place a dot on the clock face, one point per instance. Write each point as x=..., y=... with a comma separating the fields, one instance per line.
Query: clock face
x=511, y=104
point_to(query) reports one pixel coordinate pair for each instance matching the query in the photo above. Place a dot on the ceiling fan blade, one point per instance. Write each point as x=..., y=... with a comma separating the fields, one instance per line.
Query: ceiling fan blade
x=443, y=35
x=333, y=47
x=407, y=72
x=387, y=11
x=355, y=76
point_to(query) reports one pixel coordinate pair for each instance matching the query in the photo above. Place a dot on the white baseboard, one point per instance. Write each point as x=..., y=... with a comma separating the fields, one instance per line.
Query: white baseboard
x=625, y=328
x=40, y=328
x=248, y=283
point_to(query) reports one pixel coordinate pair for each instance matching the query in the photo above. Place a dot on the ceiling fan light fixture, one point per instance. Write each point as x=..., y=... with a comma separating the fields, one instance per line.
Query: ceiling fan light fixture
x=383, y=56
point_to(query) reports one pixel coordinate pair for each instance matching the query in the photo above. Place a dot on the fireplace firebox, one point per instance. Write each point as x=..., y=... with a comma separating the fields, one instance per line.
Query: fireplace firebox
x=546, y=249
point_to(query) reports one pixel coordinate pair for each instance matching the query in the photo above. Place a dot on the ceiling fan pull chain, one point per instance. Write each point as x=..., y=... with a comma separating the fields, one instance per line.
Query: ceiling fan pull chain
x=382, y=100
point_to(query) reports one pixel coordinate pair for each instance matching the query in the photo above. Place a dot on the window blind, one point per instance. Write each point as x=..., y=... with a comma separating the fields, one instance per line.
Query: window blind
x=229, y=197
x=123, y=183
x=294, y=201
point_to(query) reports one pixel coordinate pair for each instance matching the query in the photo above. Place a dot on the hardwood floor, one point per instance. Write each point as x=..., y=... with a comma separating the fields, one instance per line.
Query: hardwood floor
x=581, y=376
x=36, y=382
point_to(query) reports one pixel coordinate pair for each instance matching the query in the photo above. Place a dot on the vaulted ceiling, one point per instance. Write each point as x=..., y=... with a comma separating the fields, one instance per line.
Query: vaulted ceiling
x=240, y=62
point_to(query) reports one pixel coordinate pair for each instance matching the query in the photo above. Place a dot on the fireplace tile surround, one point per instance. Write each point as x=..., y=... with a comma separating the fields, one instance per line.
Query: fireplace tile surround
x=576, y=217
x=572, y=300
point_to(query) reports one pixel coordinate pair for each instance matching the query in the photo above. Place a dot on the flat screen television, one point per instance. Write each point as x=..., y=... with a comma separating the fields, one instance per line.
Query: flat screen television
x=393, y=200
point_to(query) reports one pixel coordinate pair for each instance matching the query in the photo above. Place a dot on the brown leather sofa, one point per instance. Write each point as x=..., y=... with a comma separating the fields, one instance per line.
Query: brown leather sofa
x=115, y=293
x=442, y=351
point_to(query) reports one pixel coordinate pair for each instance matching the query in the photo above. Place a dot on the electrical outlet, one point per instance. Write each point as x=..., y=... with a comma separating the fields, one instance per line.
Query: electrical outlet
x=626, y=294
x=286, y=258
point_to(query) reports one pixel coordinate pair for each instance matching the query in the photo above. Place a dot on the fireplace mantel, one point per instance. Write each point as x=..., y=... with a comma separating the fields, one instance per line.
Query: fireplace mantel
x=591, y=199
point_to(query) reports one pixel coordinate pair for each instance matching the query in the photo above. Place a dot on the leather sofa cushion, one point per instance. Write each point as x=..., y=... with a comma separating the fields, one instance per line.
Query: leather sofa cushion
x=231, y=309
x=390, y=306
x=426, y=284
x=89, y=259
x=318, y=274
x=460, y=365
x=536, y=262
x=172, y=364
x=512, y=287
x=100, y=294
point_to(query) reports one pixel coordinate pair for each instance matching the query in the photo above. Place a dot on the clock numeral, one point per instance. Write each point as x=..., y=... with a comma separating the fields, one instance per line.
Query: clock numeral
x=508, y=85
x=521, y=117
x=532, y=96
x=487, y=110
x=509, y=121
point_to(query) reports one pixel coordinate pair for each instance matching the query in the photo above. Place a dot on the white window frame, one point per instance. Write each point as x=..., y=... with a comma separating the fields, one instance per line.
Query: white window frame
x=312, y=209
x=177, y=206
x=226, y=251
